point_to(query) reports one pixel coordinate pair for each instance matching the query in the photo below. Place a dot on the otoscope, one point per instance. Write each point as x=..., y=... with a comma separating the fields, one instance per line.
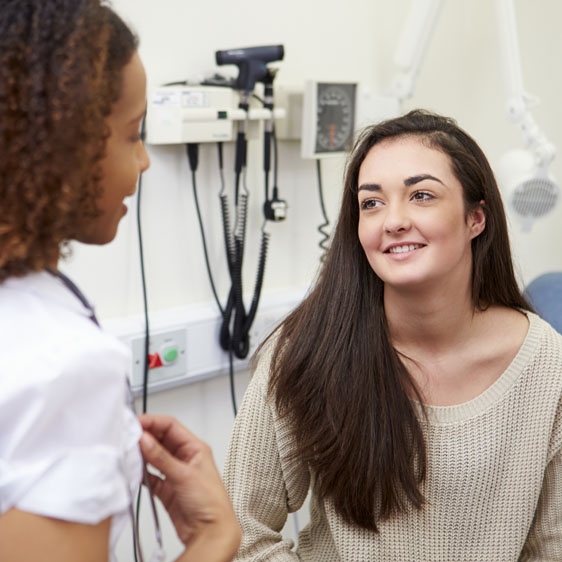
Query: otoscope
x=251, y=62
x=252, y=65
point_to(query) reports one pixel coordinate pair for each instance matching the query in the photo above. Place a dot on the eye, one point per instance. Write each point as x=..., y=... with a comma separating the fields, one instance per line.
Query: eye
x=367, y=204
x=139, y=134
x=422, y=196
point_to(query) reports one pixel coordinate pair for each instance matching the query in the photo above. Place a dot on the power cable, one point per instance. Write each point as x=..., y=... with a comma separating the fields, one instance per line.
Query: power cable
x=146, y=337
x=193, y=160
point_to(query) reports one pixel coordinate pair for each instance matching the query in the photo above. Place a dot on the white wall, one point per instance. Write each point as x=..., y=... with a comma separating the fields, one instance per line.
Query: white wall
x=324, y=39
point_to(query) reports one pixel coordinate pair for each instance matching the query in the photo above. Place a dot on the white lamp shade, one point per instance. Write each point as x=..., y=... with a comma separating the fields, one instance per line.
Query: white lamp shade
x=529, y=190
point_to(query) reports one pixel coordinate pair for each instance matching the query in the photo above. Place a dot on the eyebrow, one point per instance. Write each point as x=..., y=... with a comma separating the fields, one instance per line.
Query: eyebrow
x=416, y=179
x=407, y=182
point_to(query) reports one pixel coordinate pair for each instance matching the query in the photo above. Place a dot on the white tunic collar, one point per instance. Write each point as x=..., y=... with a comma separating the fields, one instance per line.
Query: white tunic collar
x=50, y=288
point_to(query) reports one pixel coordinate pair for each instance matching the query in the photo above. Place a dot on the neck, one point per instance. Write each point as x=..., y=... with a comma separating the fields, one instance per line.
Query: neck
x=430, y=319
x=53, y=264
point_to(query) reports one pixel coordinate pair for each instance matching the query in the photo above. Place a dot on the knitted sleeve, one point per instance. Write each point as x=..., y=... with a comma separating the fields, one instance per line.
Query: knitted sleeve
x=544, y=541
x=264, y=483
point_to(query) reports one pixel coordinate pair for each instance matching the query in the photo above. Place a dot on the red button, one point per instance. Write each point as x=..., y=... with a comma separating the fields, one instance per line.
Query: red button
x=154, y=361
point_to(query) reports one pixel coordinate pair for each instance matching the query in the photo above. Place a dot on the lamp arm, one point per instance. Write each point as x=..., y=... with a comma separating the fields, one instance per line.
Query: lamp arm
x=412, y=46
x=519, y=114
x=519, y=103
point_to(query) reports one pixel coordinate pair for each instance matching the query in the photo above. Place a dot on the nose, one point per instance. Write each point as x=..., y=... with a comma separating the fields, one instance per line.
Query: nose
x=143, y=158
x=396, y=219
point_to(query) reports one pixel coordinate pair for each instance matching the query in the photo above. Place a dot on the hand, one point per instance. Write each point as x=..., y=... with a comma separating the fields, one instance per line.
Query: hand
x=191, y=489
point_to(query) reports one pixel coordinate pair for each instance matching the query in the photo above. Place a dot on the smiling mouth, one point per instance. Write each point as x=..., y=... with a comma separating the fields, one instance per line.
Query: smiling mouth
x=404, y=248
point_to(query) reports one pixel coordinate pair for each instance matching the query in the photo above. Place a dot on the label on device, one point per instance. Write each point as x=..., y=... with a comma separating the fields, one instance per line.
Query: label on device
x=164, y=98
x=195, y=99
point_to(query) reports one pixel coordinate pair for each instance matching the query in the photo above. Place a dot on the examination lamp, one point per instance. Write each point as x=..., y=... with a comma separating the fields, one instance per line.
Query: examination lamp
x=251, y=63
x=530, y=190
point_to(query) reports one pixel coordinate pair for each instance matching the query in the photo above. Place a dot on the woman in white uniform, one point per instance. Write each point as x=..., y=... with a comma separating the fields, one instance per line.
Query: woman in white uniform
x=72, y=98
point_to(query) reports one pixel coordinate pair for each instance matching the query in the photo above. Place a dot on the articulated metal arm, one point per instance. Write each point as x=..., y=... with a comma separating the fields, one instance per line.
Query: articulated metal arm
x=519, y=103
x=412, y=46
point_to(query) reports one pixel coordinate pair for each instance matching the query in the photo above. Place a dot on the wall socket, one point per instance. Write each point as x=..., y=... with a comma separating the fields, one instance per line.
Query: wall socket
x=195, y=330
x=168, y=349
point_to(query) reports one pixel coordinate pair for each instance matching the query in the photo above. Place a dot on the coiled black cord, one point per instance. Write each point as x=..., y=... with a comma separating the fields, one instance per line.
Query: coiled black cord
x=233, y=335
x=236, y=322
x=259, y=281
x=227, y=233
x=323, y=244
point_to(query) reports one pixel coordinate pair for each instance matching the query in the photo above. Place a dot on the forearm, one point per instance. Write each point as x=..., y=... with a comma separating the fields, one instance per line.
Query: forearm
x=214, y=545
x=254, y=475
x=27, y=536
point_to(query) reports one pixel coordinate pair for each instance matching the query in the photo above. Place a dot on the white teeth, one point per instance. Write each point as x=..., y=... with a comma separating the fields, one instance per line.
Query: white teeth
x=405, y=248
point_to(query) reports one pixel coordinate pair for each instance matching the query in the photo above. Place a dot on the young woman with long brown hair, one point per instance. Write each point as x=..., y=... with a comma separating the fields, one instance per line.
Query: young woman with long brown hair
x=413, y=392
x=72, y=98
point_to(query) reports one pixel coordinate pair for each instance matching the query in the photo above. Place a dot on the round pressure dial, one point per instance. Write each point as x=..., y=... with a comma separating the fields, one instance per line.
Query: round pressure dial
x=335, y=117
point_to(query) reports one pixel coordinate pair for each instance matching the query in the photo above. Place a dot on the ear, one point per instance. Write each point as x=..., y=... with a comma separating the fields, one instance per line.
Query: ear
x=476, y=220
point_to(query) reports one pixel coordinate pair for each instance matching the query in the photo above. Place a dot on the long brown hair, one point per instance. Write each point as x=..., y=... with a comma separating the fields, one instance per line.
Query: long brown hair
x=334, y=373
x=61, y=67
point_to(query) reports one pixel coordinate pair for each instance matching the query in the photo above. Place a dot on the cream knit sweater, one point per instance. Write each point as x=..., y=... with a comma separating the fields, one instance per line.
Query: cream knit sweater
x=494, y=486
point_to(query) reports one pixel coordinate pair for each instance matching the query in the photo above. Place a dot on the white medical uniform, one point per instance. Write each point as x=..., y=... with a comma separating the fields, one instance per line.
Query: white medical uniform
x=68, y=440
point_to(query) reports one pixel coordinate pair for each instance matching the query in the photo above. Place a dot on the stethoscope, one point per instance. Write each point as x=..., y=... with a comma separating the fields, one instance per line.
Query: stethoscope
x=159, y=554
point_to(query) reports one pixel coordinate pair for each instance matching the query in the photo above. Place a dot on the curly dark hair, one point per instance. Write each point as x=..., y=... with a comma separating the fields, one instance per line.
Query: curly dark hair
x=61, y=63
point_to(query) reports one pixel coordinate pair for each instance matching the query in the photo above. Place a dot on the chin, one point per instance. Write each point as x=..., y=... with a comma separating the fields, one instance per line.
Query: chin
x=96, y=238
x=405, y=282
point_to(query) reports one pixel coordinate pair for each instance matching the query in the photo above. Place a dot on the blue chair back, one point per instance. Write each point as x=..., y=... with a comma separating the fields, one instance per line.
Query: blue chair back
x=545, y=294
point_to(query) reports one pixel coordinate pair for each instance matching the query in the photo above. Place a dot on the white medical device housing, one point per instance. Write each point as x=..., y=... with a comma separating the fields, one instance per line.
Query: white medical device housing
x=531, y=192
x=180, y=114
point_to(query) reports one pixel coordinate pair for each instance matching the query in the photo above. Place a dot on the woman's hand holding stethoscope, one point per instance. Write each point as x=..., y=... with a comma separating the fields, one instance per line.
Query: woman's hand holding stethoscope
x=190, y=489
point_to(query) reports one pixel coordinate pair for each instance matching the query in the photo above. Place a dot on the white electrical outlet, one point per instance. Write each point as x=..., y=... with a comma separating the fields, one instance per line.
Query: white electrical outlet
x=167, y=358
x=195, y=329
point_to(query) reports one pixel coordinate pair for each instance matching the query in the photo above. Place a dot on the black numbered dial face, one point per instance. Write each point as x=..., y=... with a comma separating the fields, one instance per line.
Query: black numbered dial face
x=335, y=116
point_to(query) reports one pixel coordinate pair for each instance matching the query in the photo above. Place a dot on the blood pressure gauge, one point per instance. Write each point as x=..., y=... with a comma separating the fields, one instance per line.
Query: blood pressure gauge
x=329, y=112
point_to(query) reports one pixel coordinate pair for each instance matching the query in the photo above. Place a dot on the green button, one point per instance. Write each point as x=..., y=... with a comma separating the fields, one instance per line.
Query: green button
x=171, y=354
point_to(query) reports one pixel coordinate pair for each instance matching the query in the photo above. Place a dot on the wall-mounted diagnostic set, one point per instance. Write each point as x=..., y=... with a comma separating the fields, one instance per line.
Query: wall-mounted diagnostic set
x=181, y=113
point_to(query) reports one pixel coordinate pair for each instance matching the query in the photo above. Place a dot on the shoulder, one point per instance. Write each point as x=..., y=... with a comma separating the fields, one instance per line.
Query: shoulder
x=543, y=375
x=59, y=370
x=549, y=341
x=53, y=355
x=524, y=331
x=55, y=359
x=539, y=356
x=542, y=378
x=46, y=333
x=62, y=406
x=261, y=361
